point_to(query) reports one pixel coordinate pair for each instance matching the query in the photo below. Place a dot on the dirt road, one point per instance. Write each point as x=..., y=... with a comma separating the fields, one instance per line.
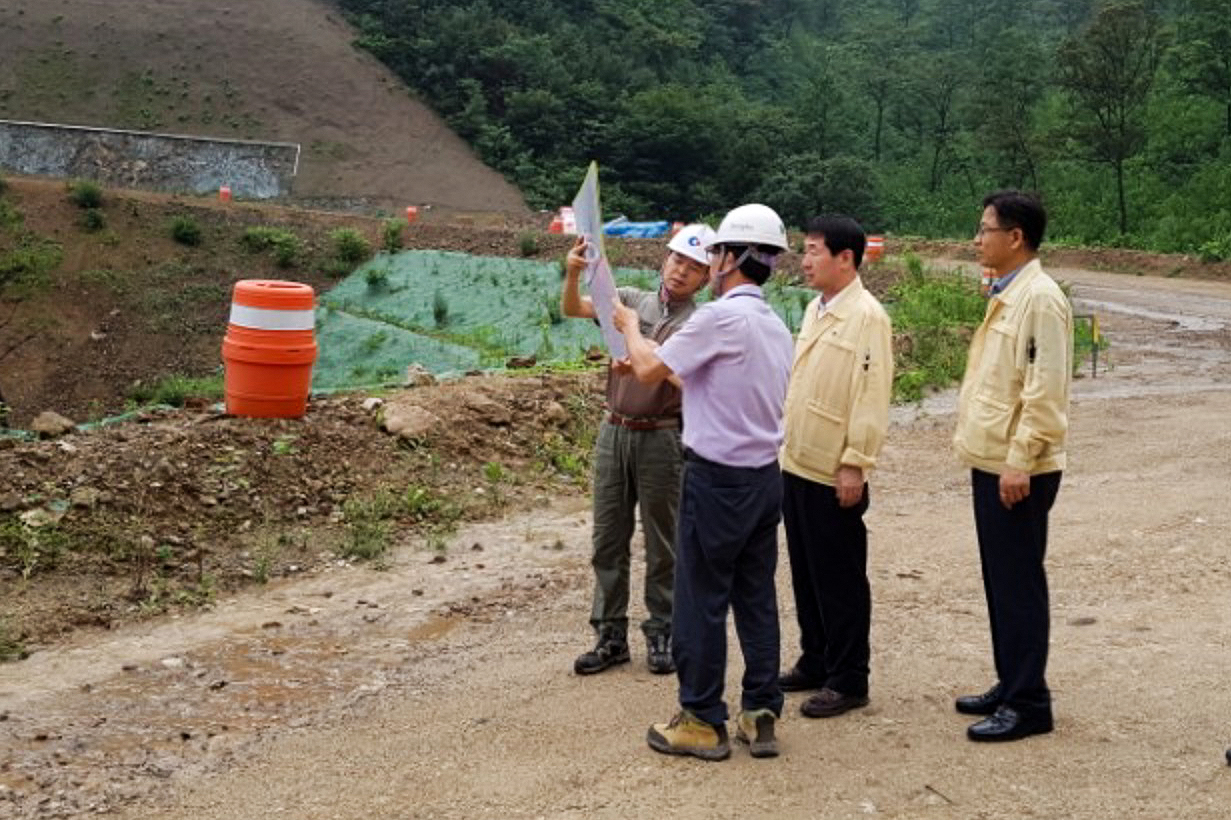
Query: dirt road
x=444, y=689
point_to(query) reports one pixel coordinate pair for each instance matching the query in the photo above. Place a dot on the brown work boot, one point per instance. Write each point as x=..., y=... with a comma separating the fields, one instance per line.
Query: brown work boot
x=831, y=703
x=756, y=728
x=687, y=734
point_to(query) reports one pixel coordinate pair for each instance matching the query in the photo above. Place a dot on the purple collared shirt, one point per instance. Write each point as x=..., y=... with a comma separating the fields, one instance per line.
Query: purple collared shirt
x=734, y=359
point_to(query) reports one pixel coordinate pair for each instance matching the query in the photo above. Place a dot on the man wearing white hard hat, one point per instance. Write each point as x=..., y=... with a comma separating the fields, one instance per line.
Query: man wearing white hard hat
x=733, y=359
x=637, y=461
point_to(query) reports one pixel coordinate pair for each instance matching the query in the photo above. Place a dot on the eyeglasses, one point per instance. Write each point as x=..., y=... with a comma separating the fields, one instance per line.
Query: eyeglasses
x=984, y=229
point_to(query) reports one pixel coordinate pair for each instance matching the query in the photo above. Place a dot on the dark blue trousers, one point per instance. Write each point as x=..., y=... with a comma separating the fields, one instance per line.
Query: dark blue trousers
x=828, y=547
x=1012, y=547
x=725, y=558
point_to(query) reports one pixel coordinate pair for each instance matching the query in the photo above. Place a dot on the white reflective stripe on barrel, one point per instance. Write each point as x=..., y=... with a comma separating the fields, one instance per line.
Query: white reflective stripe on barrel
x=268, y=319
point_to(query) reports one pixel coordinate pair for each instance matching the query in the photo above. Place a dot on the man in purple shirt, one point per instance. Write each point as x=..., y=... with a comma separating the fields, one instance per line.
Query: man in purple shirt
x=732, y=360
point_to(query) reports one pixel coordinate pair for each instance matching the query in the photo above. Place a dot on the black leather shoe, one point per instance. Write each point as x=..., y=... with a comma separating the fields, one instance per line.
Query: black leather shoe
x=831, y=703
x=1009, y=724
x=985, y=704
x=796, y=681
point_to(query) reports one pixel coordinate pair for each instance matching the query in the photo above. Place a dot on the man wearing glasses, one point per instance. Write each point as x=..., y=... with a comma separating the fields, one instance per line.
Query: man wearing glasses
x=1011, y=429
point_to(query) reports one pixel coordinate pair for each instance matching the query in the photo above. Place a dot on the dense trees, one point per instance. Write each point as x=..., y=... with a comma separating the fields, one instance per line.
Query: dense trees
x=902, y=112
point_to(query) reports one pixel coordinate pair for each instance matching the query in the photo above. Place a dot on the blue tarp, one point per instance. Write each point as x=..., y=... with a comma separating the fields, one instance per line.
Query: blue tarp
x=620, y=226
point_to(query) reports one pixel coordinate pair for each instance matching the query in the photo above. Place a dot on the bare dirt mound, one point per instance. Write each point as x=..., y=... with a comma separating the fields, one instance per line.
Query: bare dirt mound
x=174, y=507
x=282, y=70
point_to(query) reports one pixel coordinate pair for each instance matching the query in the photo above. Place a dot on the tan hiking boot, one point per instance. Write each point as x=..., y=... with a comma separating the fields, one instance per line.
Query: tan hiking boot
x=756, y=728
x=687, y=734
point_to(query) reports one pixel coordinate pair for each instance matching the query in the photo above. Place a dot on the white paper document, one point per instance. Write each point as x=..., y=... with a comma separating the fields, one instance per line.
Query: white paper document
x=589, y=214
x=598, y=278
x=603, y=292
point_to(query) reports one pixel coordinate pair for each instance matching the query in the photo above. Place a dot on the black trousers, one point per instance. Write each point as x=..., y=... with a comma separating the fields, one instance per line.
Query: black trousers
x=725, y=557
x=828, y=548
x=1012, y=548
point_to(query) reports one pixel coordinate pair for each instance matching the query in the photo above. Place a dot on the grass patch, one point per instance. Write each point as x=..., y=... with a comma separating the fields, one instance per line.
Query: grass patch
x=31, y=549
x=11, y=646
x=391, y=235
x=186, y=231
x=26, y=267
x=10, y=217
x=377, y=278
x=177, y=389
x=350, y=246
x=528, y=244
x=286, y=246
x=933, y=315
x=93, y=220
x=85, y=193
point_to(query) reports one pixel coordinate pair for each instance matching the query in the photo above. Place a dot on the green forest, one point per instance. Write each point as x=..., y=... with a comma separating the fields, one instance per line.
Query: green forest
x=903, y=113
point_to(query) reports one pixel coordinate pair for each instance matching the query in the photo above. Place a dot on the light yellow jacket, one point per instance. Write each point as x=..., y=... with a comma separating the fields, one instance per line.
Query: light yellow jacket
x=1014, y=404
x=837, y=403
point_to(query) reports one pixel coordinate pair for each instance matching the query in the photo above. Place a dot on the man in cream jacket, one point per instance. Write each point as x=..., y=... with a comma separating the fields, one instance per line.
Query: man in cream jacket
x=837, y=415
x=1011, y=428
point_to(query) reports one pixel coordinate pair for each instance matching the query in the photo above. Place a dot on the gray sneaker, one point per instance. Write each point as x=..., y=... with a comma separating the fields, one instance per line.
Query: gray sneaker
x=756, y=728
x=658, y=654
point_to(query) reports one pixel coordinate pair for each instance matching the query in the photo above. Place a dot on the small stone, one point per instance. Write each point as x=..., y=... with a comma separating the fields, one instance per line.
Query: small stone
x=418, y=376
x=83, y=497
x=50, y=424
x=372, y=404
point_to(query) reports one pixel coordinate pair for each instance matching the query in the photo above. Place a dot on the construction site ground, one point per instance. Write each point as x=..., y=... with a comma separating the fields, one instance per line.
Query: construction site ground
x=441, y=684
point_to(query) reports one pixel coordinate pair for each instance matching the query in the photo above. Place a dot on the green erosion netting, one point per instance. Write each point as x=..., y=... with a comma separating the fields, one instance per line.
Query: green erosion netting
x=453, y=312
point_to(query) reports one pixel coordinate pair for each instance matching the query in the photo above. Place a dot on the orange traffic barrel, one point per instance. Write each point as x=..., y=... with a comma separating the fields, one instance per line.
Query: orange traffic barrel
x=875, y=249
x=224, y=193
x=412, y=213
x=269, y=349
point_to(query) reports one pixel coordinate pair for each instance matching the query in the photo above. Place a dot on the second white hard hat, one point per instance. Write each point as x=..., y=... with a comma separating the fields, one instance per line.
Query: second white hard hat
x=692, y=240
x=752, y=224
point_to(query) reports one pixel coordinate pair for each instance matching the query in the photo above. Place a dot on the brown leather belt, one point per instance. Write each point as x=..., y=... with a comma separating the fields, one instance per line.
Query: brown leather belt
x=643, y=422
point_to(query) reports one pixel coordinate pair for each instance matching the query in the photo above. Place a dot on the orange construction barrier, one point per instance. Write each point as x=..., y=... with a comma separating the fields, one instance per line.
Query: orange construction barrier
x=986, y=280
x=269, y=349
x=875, y=249
x=557, y=225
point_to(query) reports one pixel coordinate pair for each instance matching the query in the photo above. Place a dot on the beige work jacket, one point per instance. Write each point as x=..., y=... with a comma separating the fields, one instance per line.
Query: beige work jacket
x=837, y=404
x=1014, y=402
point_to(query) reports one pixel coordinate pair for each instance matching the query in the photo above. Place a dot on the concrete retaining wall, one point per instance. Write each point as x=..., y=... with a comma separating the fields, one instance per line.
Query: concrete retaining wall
x=156, y=162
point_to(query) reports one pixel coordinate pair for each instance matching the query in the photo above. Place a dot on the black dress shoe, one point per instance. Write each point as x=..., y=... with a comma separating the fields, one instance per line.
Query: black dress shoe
x=796, y=681
x=1009, y=724
x=985, y=704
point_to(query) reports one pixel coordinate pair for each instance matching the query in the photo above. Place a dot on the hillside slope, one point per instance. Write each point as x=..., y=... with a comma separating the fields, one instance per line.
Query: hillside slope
x=275, y=70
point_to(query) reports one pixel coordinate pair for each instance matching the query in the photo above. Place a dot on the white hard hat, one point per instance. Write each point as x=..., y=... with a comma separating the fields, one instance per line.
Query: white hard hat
x=751, y=225
x=692, y=240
